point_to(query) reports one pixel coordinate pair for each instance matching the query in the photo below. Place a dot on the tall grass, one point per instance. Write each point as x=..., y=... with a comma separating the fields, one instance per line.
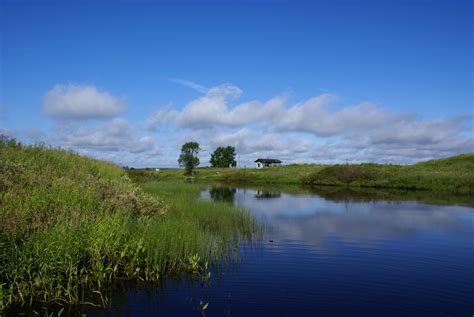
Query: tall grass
x=70, y=226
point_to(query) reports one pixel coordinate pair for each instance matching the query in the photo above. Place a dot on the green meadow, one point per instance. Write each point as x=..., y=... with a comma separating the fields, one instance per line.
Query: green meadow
x=70, y=226
x=449, y=175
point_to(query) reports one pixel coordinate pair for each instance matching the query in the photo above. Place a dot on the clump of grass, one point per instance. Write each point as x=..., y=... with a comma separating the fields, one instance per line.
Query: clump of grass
x=71, y=225
x=197, y=222
x=346, y=174
x=143, y=175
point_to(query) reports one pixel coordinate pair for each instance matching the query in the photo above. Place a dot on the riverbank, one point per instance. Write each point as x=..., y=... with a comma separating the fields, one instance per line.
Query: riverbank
x=71, y=225
x=450, y=175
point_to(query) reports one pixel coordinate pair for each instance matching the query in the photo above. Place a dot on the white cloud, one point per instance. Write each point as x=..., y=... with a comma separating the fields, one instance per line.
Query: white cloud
x=190, y=84
x=163, y=116
x=315, y=129
x=80, y=102
x=212, y=110
x=248, y=141
x=318, y=129
x=313, y=116
x=402, y=142
x=418, y=132
x=114, y=136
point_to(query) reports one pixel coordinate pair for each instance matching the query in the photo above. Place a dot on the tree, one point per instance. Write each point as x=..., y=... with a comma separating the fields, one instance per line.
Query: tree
x=188, y=158
x=223, y=157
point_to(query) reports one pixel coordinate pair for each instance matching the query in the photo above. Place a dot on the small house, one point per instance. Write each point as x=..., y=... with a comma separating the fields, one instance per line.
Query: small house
x=261, y=163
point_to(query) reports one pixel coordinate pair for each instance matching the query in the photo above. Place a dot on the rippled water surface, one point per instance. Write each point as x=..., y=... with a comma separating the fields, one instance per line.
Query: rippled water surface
x=333, y=256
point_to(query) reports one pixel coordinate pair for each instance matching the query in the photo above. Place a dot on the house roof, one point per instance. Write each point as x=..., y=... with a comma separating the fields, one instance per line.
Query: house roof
x=267, y=160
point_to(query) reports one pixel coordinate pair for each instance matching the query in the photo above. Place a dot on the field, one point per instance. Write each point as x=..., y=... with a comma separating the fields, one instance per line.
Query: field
x=289, y=174
x=449, y=175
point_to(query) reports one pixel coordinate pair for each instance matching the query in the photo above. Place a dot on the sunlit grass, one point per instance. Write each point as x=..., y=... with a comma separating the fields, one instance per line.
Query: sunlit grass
x=452, y=175
x=196, y=223
x=71, y=225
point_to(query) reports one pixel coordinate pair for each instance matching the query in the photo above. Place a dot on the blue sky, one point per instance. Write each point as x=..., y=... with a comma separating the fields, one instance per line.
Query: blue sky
x=305, y=81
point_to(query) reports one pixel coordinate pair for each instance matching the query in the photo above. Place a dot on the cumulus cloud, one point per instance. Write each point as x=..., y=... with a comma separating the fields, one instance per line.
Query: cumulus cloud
x=114, y=136
x=419, y=132
x=248, y=141
x=163, y=116
x=319, y=128
x=213, y=110
x=80, y=102
x=315, y=115
x=402, y=142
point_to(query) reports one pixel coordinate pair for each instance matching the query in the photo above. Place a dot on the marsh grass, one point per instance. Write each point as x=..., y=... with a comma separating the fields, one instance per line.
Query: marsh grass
x=198, y=222
x=70, y=226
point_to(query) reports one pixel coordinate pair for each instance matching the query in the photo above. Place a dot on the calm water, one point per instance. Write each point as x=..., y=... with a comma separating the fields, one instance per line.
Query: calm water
x=338, y=256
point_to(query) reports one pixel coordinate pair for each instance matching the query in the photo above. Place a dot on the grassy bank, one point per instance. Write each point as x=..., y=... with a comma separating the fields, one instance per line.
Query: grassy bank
x=454, y=175
x=450, y=175
x=70, y=226
x=288, y=174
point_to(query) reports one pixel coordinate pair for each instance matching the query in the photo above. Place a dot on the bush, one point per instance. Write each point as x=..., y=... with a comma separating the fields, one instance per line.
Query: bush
x=344, y=174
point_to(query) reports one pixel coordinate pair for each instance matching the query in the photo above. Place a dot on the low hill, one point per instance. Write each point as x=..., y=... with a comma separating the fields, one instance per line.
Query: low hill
x=462, y=163
x=66, y=224
x=454, y=174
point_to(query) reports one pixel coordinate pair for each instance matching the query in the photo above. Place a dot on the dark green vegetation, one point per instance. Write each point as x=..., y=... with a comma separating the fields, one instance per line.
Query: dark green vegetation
x=70, y=226
x=223, y=157
x=450, y=175
x=188, y=157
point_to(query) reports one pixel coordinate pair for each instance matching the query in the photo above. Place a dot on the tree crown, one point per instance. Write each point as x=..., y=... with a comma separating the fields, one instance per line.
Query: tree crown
x=223, y=157
x=188, y=157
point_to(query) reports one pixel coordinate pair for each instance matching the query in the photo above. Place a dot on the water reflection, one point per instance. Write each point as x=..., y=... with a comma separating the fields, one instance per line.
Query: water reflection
x=335, y=193
x=267, y=194
x=221, y=193
x=313, y=219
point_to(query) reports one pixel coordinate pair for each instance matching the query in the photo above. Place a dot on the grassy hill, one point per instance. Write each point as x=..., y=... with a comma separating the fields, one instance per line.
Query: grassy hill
x=453, y=175
x=71, y=225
